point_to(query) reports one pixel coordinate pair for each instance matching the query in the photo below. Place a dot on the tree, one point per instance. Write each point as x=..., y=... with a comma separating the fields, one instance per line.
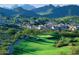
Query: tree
x=11, y=31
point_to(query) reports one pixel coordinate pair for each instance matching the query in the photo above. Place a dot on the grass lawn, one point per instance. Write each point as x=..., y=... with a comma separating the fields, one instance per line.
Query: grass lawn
x=54, y=51
x=44, y=36
x=40, y=48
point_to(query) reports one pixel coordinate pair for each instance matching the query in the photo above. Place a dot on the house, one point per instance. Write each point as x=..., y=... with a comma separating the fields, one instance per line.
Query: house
x=64, y=26
x=60, y=27
x=28, y=26
x=49, y=25
x=52, y=27
x=72, y=28
x=77, y=26
x=40, y=27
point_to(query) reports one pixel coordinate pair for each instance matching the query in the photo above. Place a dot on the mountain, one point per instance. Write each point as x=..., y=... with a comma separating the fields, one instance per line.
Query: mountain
x=24, y=6
x=17, y=11
x=8, y=6
x=55, y=12
x=11, y=6
x=44, y=10
x=27, y=7
x=6, y=12
x=70, y=10
x=49, y=11
x=25, y=13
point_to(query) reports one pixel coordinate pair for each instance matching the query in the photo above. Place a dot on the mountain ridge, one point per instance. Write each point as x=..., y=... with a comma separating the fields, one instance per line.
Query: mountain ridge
x=49, y=11
x=58, y=11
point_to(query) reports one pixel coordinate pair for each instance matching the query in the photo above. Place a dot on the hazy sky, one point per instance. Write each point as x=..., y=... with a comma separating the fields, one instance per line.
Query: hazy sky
x=38, y=5
x=10, y=5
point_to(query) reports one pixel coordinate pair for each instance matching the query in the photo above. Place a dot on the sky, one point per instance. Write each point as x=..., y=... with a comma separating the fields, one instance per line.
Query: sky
x=10, y=5
x=38, y=5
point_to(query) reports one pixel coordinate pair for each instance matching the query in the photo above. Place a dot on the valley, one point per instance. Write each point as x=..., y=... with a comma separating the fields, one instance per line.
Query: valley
x=47, y=30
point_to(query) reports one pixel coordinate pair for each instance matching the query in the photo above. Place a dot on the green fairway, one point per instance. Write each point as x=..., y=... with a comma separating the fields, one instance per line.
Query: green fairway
x=45, y=47
x=44, y=36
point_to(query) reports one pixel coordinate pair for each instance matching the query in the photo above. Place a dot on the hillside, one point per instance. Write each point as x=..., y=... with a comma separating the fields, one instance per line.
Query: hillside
x=55, y=12
x=17, y=11
x=24, y=6
x=44, y=10
x=49, y=11
x=26, y=13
